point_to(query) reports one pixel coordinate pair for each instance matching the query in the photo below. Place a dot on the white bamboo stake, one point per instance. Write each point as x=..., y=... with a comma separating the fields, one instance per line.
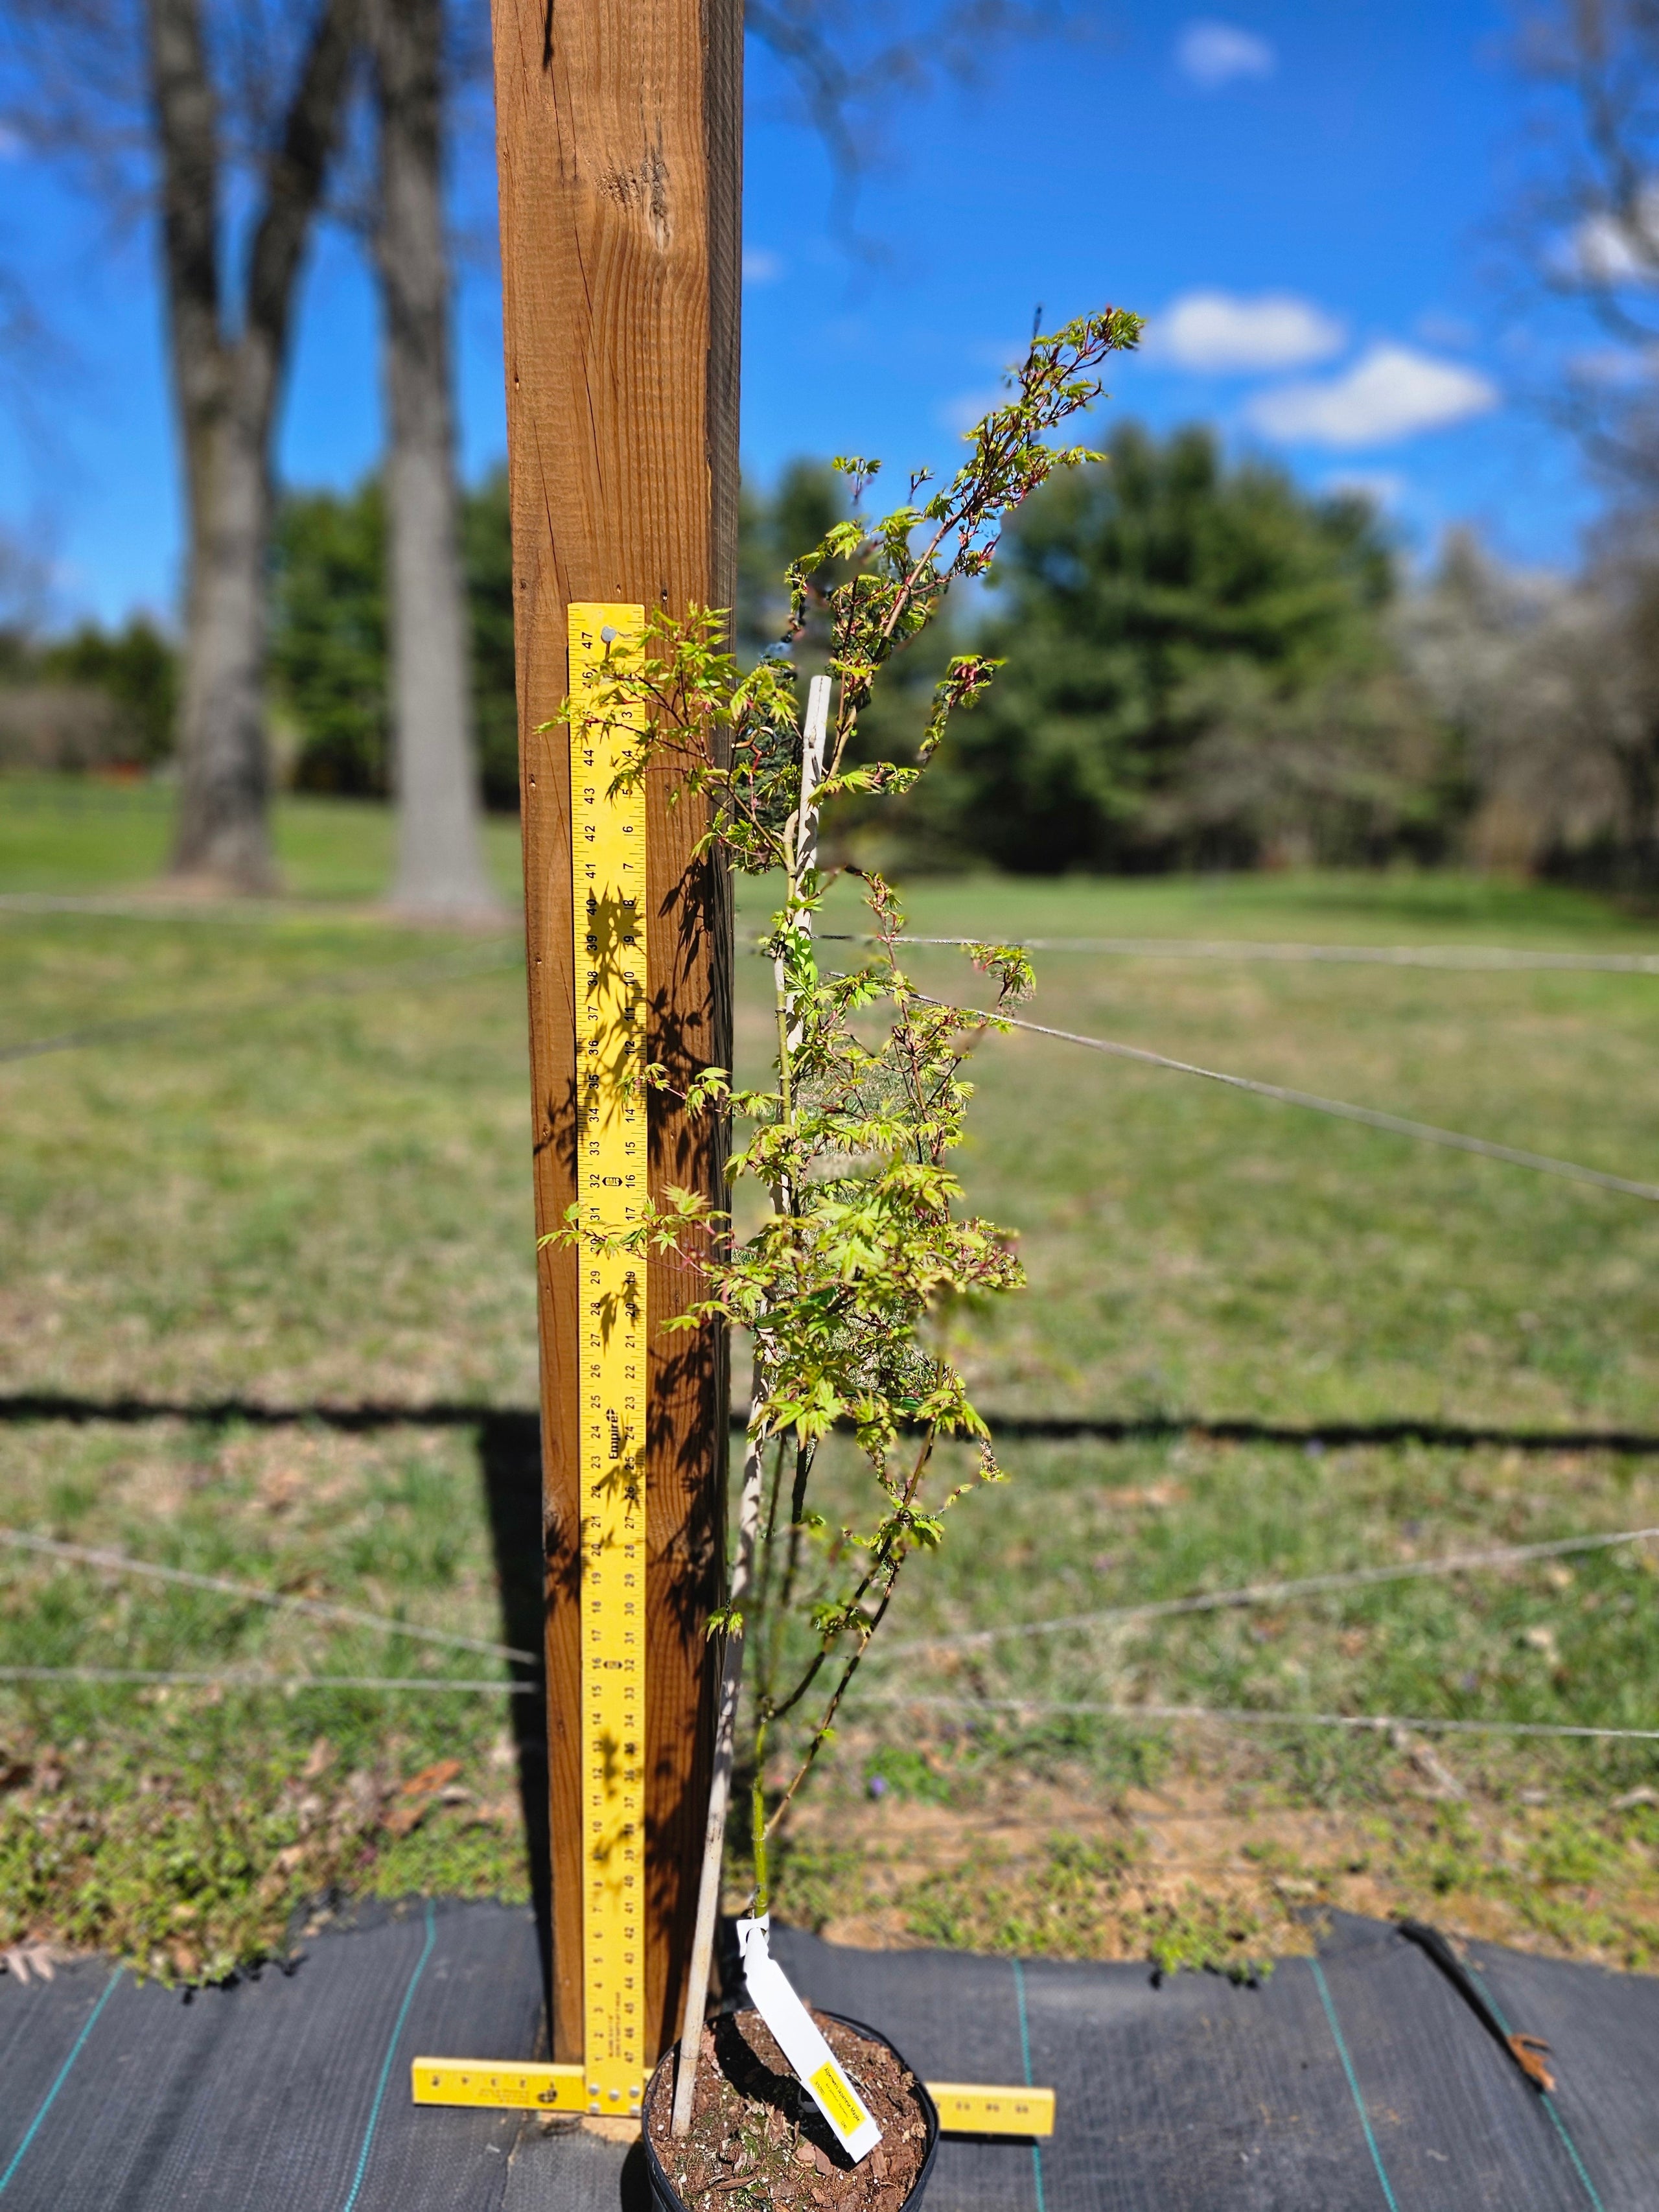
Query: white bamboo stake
x=720, y=1789
x=814, y=733
x=815, y=736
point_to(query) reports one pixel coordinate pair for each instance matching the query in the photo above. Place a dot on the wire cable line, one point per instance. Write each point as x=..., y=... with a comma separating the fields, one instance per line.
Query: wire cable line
x=1482, y=959
x=158, y=905
x=223, y=1678
x=401, y=975
x=1254, y=1717
x=1395, y=1124
x=317, y=1609
x=1450, y=1563
x=149, y=907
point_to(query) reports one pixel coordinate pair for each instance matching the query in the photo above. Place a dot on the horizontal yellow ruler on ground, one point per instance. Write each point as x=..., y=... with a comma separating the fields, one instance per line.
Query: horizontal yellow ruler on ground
x=968, y=2108
x=965, y=2108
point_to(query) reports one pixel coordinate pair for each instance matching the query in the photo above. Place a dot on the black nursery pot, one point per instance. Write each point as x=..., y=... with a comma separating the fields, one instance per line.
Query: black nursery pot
x=667, y=2198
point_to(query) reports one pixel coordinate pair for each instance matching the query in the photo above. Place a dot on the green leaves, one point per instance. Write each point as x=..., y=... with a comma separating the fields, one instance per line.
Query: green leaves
x=659, y=1229
x=1010, y=965
x=966, y=679
x=864, y=1250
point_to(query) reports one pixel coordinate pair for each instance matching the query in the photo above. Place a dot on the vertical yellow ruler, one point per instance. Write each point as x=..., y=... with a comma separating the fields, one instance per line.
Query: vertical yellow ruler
x=607, y=847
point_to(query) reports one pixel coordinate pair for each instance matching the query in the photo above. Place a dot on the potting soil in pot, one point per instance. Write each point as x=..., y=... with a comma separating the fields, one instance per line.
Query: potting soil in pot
x=757, y=2139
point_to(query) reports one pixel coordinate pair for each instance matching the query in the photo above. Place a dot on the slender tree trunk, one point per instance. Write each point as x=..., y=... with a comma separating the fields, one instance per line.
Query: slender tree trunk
x=440, y=864
x=227, y=384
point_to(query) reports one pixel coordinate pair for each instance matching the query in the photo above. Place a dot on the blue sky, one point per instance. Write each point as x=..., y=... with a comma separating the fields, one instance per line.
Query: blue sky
x=1301, y=197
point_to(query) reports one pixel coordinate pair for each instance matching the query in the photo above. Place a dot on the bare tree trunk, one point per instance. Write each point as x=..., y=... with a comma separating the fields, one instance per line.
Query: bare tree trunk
x=440, y=864
x=227, y=384
x=223, y=830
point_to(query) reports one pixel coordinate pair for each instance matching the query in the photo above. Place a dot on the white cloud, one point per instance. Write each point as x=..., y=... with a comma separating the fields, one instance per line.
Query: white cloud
x=761, y=265
x=12, y=147
x=1219, y=332
x=1211, y=54
x=1393, y=393
x=1605, y=250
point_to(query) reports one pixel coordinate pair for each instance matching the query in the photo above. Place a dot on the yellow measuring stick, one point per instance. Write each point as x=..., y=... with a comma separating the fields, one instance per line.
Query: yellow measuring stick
x=965, y=2107
x=607, y=862
x=499, y=2086
x=968, y=2108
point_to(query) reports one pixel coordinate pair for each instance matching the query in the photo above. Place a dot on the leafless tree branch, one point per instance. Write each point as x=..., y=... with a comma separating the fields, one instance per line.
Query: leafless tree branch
x=847, y=79
x=1585, y=229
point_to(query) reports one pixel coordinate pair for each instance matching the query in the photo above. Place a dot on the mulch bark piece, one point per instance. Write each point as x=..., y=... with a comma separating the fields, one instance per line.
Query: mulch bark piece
x=757, y=2140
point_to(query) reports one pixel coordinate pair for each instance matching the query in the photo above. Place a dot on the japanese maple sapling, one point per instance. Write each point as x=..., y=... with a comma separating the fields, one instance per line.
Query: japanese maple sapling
x=864, y=1239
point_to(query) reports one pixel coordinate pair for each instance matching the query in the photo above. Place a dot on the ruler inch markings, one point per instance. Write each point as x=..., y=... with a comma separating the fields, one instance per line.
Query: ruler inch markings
x=608, y=917
x=502, y=2085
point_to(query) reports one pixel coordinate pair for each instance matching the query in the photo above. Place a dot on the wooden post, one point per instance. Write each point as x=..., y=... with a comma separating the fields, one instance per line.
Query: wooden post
x=618, y=130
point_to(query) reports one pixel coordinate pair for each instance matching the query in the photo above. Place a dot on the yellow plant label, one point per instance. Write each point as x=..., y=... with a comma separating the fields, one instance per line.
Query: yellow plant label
x=835, y=2094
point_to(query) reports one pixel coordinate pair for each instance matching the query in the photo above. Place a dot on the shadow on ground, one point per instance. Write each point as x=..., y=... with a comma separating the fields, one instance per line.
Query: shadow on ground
x=510, y=1464
x=24, y=1405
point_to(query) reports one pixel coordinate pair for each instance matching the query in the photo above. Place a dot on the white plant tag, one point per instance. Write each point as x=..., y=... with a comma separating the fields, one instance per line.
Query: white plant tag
x=802, y=2041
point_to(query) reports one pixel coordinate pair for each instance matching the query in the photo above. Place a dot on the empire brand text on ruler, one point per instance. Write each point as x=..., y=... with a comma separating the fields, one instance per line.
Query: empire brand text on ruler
x=608, y=914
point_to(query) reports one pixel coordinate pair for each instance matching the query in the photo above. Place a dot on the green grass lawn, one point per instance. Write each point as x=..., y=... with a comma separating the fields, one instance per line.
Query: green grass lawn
x=81, y=834
x=303, y=1188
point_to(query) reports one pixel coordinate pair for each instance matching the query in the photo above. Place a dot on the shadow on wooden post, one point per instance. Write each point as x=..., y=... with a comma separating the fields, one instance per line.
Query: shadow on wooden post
x=618, y=135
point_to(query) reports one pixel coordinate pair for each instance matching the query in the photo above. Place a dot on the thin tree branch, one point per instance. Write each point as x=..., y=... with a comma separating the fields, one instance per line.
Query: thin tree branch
x=310, y=130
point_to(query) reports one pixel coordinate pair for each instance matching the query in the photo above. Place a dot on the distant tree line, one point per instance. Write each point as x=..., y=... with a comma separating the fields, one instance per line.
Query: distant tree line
x=91, y=699
x=1198, y=671
x=1206, y=666
x=1548, y=686
x=331, y=697
x=1203, y=664
x=236, y=128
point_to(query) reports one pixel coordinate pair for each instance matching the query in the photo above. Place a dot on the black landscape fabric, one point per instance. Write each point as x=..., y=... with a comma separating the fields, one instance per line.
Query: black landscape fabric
x=1362, y=2079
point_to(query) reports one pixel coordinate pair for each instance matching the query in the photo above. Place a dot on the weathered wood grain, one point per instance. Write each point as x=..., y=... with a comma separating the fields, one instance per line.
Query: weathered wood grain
x=618, y=137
